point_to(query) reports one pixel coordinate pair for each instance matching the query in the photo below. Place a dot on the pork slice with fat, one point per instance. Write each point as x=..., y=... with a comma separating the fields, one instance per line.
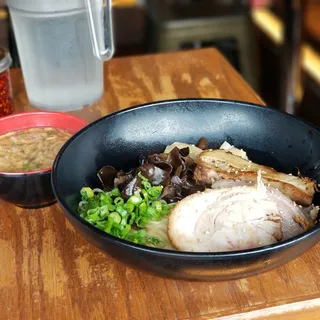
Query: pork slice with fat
x=214, y=165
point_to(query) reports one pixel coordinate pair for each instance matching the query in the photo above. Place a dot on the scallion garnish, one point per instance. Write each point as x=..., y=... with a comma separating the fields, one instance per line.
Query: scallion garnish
x=109, y=212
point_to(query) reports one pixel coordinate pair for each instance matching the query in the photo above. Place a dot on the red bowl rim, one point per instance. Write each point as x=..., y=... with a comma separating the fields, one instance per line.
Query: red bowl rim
x=37, y=113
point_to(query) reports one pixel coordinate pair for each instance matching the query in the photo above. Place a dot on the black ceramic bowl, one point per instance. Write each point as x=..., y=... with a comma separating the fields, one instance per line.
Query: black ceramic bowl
x=33, y=189
x=269, y=137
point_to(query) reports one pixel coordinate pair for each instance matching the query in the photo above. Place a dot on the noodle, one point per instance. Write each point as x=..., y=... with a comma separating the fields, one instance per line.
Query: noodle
x=158, y=229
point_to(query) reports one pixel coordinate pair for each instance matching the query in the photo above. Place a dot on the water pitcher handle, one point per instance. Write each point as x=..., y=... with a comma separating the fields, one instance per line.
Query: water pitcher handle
x=99, y=13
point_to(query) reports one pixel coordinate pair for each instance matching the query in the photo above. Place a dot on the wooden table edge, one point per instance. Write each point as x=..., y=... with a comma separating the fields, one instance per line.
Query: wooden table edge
x=307, y=308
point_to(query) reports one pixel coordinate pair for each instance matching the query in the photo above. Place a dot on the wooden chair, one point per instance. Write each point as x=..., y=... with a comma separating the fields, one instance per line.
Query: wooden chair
x=171, y=26
x=309, y=109
x=306, y=93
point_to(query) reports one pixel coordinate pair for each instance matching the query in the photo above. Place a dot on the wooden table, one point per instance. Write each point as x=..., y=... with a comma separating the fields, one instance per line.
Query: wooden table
x=47, y=271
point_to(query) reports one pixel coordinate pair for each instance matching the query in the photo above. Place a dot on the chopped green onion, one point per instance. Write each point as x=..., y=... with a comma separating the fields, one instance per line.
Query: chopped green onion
x=92, y=203
x=151, y=212
x=126, y=230
x=156, y=242
x=111, y=207
x=101, y=224
x=118, y=201
x=93, y=211
x=105, y=198
x=109, y=212
x=139, y=237
x=145, y=194
x=141, y=222
x=109, y=224
x=94, y=215
x=158, y=206
x=121, y=211
x=142, y=177
x=132, y=219
x=142, y=208
x=115, y=192
x=115, y=216
x=134, y=200
x=167, y=208
x=146, y=184
x=155, y=192
x=129, y=207
x=86, y=193
x=123, y=221
x=104, y=211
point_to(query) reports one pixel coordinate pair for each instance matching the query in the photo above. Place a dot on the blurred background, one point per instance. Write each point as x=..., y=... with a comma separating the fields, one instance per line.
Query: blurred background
x=275, y=45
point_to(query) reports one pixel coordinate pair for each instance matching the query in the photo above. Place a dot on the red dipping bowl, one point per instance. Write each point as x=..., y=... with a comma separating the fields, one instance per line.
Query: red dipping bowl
x=32, y=189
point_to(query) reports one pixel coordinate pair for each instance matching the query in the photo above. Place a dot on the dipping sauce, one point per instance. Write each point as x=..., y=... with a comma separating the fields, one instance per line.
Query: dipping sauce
x=31, y=149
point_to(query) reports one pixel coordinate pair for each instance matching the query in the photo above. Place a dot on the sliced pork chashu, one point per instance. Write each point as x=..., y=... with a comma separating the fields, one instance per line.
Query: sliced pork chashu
x=214, y=165
x=236, y=218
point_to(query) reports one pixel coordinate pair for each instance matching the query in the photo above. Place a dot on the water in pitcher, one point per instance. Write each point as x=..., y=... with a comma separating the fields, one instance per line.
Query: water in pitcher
x=59, y=68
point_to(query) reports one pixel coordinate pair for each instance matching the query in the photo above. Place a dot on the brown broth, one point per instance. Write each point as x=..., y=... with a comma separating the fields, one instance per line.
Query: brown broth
x=31, y=149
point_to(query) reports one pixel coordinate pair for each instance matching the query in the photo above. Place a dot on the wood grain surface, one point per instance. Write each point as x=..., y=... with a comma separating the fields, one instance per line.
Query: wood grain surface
x=47, y=271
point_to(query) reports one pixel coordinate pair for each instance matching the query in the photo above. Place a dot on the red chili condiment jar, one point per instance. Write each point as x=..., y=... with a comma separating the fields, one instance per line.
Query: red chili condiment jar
x=6, y=101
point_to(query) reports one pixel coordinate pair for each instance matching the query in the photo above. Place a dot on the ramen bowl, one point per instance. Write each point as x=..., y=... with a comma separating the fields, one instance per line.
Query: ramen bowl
x=269, y=137
x=32, y=189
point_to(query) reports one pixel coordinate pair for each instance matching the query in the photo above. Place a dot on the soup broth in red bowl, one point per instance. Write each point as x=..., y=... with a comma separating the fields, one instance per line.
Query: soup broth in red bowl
x=29, y=143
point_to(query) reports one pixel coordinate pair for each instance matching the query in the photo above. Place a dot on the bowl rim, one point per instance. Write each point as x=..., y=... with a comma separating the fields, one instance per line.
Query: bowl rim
x=36, y=113
x=268, y=249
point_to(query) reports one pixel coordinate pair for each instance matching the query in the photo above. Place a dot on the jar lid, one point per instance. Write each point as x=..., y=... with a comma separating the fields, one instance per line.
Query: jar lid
x=5, y=59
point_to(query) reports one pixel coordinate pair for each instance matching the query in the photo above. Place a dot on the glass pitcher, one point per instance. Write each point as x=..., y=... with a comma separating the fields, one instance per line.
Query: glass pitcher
x=62, y=45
